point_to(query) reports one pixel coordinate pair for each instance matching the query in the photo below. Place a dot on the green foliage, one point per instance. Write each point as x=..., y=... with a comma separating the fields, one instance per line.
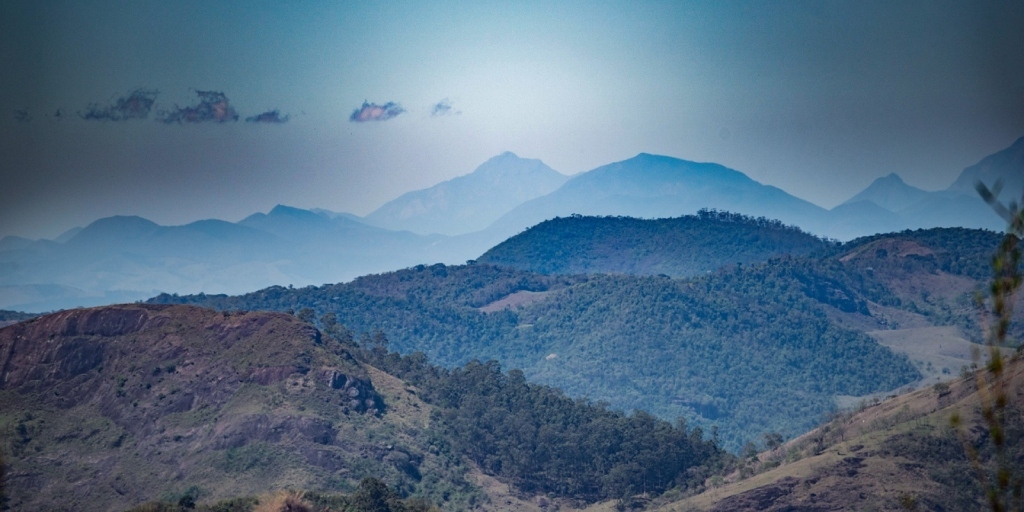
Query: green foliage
x=543, y=442
x=959, y=251
x=372, y=495
x=749, y=349
x=1000, y=474
x=684, y=246
x=229, y=505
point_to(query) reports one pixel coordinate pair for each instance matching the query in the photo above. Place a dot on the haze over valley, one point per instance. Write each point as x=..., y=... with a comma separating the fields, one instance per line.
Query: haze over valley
x=561, y=256
x=125, y=258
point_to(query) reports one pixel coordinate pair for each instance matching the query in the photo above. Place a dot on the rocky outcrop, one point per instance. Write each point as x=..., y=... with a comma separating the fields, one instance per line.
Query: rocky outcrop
x=156, y=395
x=272, y=429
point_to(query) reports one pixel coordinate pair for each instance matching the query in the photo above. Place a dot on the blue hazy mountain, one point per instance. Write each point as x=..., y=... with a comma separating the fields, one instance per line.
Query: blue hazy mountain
x=333, y=215
x=889, y=192
x=471, y=202
x=122, y=258
x=1006, y=166
x=959, y=205
x=9, y=243
x=126, y=258
x=653, y=186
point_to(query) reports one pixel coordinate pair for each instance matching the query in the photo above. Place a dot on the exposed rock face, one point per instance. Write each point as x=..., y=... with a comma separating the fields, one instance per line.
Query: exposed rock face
x=102, y=408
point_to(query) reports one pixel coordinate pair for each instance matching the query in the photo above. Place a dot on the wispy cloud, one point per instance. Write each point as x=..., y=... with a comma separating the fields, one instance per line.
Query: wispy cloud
x=270, y=116
x=374, y=112
x=22, y=116
x=443, y=108
x=59, y=114
x=213, y=107
x=134, y=105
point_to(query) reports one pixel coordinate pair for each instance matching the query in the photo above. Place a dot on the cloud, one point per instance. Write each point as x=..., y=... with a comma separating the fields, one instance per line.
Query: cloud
x=135, y=105
x=59, y=114
x=22, y=116
x=270, y=116
x=213, y=107
x=374, y=112
x=443, y=108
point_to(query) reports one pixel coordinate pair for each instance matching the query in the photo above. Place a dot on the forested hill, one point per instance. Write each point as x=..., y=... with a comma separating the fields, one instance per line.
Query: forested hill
x=678, y=247
x=138, y=402
x=750, y=350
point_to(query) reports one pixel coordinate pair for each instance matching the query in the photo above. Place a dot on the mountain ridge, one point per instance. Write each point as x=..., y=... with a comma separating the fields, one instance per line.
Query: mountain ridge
x=470, y=202
x=132, y=258
x=654, y=186
x=889, y=192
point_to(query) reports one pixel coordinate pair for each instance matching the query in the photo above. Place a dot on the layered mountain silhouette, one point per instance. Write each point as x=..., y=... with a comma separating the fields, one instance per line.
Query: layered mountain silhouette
x=120, y=259
x=653, y=186
x=471, y=202
x=890, y=193
x=901, y=206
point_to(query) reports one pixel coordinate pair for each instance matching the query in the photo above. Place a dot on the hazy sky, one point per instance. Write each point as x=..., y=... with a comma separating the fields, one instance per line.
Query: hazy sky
x=101, y=112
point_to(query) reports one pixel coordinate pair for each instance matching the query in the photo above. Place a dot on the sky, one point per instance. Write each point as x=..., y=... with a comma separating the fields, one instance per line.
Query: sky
x=186, y=110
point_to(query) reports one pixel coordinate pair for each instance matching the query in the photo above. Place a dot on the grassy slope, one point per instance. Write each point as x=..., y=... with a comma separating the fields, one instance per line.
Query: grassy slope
x=882, y=457
x=109, y=407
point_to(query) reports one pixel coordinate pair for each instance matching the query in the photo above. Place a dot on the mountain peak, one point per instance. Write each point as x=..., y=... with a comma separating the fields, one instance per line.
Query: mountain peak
x=889, y=192
x=288, y=210
x=1005, y=166
x=470, y=202
x=510, y=164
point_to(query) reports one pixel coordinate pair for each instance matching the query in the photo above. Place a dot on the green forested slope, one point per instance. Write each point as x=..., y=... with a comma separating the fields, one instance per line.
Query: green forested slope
x=543, y=442
x=682, y=246
x=747, y=349
x=185, y=402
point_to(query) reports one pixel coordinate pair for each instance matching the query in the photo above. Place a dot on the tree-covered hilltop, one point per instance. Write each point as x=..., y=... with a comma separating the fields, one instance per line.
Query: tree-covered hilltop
x=678, y=247
x=749, y=350
x=957, y=251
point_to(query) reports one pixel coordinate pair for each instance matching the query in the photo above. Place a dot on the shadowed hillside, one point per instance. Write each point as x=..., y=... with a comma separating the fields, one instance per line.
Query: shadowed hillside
x=678, y=247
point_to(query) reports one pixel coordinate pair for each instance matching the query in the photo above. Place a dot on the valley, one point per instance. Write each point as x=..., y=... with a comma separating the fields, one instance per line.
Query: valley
x=334, y=384
x=587, y=362
x=461, y=256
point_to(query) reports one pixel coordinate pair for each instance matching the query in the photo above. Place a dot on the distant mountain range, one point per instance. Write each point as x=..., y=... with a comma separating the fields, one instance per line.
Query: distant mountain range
x=959, y=205
x=472, y=202
x=120, y=259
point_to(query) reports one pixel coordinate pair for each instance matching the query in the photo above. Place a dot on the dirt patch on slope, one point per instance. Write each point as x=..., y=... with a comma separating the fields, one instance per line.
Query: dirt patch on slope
x=514, y=301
